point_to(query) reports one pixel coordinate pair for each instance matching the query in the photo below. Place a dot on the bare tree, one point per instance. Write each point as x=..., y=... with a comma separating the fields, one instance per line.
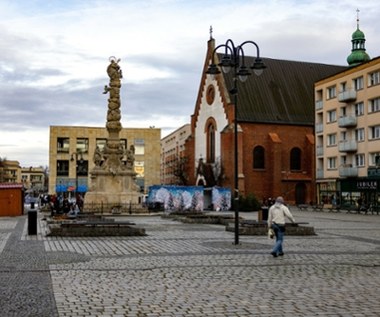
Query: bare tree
x=180, y=170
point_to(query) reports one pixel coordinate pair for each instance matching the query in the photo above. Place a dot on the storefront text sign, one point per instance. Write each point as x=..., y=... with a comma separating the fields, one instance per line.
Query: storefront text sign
x=366, y=184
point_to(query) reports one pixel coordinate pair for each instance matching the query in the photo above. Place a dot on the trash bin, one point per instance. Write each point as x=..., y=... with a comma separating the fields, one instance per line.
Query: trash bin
x=32, y=222
x=263, y=216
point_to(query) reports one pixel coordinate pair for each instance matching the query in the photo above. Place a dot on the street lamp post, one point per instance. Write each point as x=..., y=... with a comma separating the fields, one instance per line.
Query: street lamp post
x=74, y=157
x=234, y=58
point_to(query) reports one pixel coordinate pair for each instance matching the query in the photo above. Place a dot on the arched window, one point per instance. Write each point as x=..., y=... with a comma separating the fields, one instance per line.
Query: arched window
x=295, y=159
x=259, y=157
x=211, y=143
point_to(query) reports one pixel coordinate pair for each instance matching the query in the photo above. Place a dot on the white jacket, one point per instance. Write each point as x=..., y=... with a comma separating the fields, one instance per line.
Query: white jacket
x=277, y=214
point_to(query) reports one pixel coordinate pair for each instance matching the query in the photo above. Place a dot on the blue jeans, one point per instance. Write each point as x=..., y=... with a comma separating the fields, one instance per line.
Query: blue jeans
x=279, y=232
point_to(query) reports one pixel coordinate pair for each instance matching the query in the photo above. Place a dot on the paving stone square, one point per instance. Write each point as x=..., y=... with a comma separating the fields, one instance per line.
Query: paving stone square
x=193, y=270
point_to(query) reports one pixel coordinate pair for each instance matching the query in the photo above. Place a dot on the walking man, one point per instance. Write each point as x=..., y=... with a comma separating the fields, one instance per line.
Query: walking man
x=276, y=221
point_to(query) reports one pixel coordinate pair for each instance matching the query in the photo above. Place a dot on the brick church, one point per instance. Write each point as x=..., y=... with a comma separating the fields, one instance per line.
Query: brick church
x=275, y=130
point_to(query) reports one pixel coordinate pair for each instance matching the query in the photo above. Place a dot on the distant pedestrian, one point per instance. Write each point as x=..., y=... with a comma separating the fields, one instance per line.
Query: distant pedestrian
x=276, y=221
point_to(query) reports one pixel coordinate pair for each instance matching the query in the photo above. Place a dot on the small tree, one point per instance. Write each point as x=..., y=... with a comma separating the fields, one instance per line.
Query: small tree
x=249, y=203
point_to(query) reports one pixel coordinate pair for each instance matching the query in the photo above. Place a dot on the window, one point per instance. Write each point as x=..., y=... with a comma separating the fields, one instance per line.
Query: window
x=374, y=132
x=139, y=146
x=62, y=168
x=211, y=143
x=139, y=168
x=101, y=143
x=124, y=144
x=374, y=105
x=295, y=159
x=374, y=159
x=360, y=160
x=343, y=86
x=331, y=116
x=358, y=83
x=82, y=168
x=359, y=109
x=359, y=134
x=343, y=112
x=331, y=163
x=374, y=78
x=259, y=157
x=63, y=145
x=82, y=145
x=331, y=139
x=139, y=149
x=331, y=92
x=343, y=136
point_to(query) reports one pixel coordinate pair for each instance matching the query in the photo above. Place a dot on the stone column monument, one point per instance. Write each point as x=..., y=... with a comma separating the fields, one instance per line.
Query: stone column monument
x=112, y=183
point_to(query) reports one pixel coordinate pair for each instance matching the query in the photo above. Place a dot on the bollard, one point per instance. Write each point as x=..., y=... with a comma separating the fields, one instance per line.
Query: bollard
x=32, y=222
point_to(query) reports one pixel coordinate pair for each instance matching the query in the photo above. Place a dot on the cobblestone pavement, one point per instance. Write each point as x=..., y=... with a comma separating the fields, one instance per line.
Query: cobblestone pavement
x=193, y=270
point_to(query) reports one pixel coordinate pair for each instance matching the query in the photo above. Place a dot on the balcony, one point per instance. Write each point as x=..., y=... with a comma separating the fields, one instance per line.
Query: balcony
x=319, y=150
x=347, y=122
x=348, y=146
x=348, y=171
x=347, y=95
x=318, y=127
x=320, y=173
x=318, y=105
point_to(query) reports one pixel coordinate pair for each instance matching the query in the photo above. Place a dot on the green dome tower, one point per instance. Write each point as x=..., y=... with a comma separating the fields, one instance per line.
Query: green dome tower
x=358, y=54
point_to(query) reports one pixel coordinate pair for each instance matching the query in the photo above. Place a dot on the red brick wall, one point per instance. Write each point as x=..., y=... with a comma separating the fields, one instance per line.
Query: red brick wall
x=276, y=178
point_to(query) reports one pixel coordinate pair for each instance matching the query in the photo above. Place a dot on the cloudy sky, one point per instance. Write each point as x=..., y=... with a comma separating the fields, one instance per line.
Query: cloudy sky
x=54, y=55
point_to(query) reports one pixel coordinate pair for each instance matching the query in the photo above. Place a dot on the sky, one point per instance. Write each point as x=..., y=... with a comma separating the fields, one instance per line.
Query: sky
x=54, y=55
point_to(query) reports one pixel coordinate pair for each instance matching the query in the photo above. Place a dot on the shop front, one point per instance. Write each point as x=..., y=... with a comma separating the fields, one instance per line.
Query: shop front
x=362, y=193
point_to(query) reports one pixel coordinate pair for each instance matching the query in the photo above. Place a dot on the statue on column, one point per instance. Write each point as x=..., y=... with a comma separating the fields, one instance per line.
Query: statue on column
x=110, y=158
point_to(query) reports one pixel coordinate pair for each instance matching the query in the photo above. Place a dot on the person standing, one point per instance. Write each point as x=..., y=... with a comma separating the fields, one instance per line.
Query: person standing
x=276, y=220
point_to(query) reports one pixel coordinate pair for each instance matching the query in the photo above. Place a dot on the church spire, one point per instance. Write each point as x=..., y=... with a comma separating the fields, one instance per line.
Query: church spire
x=358, y=54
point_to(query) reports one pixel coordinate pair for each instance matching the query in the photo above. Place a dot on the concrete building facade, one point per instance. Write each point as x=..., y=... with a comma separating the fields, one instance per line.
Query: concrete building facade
x=173, y=158
x=347, y=121
x=71, y=151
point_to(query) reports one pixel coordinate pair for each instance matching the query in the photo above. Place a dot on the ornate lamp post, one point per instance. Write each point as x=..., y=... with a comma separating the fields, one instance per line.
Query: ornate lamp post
x=234, y=58
x=74, y=157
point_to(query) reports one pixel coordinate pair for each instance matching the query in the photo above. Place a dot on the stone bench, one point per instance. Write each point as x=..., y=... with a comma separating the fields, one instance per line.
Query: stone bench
x=95, y=229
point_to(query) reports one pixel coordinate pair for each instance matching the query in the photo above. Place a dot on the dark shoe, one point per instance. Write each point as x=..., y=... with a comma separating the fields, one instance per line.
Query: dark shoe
x=281, y=254
x=274, y=254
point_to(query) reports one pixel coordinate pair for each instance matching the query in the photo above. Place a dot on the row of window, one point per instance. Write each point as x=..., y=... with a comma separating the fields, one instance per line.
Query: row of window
x=295, y=158
x=373, y=134
x=373, y=106
x=63, y=145
x=359, y=160
x=373, y=79
x=82, y=168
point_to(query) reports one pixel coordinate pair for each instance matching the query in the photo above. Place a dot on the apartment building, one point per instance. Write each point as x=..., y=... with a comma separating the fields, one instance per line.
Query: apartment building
x=33, y=178
x=10, y=171
x=173, y=158
x=71, y=152
x=348, y=135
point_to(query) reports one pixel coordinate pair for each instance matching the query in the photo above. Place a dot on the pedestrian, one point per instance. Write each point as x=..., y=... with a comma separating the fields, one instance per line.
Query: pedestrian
x=276, y=221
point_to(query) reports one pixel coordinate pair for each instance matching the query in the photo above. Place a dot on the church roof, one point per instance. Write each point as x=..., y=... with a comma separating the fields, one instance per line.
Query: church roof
x=282, y=94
